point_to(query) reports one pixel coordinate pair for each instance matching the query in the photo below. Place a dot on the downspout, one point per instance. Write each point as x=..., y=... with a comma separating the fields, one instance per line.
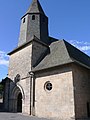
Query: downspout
x=32, y=93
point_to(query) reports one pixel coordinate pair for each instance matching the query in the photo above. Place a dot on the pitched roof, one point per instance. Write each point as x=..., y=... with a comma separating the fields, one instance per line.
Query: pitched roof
x=78, y=56
x=35, y=7
x=32, y=38
x=61, y=52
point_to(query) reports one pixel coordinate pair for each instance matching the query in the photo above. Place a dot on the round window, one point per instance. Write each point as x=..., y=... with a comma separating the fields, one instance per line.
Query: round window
x=48, y=86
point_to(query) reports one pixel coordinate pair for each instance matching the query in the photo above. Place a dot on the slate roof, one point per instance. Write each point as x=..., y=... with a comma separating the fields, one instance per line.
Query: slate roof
x=35, y=7
x=33, y=38
x=61, y=52
x=50, y=40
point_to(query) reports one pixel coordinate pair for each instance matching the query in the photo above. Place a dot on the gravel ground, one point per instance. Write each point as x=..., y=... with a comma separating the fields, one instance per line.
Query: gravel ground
x=15, y=116
x=19, y=116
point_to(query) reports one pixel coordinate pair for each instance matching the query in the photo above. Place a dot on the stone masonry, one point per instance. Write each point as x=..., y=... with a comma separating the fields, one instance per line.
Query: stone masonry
x=47, y=77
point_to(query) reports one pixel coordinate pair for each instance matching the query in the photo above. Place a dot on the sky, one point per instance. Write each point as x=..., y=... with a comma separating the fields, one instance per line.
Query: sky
x=68, y=19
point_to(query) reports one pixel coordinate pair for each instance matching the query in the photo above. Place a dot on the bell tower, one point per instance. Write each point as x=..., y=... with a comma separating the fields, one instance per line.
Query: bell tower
x=34, y=23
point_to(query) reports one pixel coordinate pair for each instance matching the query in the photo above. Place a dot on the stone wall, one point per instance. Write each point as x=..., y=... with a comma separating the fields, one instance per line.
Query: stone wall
x=33, y=27
x=23, y=30
x=59, y=102
x=20, y=63
x=25, y=84
x=81, y=90
x=30, y=27
x=6, y=96
x=38, y=52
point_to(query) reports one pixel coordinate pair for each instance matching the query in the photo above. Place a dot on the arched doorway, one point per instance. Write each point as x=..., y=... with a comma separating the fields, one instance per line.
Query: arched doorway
x=17, y=99
x=19, y=102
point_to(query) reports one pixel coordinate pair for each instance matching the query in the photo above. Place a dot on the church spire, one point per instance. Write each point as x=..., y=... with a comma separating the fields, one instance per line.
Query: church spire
x=35, y=7
x=34, y=23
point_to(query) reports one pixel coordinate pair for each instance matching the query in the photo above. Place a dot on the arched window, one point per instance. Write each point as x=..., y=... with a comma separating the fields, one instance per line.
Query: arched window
x=33, y=17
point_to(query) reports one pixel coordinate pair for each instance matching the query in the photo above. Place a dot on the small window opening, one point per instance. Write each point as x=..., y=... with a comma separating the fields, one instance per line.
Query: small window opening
x=48, y=86
x=33, y=17
x=24, y=20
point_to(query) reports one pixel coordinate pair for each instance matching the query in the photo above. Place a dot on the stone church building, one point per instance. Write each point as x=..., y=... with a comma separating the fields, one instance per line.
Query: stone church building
x=47, y=77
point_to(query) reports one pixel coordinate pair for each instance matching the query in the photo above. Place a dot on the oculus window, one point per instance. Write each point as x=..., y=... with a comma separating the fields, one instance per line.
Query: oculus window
x=48, y=86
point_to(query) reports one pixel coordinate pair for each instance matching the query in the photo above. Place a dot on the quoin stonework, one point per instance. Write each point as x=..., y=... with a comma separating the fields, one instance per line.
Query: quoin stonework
x=47, y=77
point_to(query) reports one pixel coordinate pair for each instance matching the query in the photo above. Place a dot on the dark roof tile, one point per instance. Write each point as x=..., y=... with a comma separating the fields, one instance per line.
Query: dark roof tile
x=35, y=7
x=61, y=52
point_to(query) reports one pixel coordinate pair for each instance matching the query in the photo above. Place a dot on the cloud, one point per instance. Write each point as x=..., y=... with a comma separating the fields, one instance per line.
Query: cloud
x=84, y=48
x=81, y=45
x=4, y=58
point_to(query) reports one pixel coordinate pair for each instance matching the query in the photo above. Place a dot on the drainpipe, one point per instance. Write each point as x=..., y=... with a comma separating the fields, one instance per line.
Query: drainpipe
x=32, y=93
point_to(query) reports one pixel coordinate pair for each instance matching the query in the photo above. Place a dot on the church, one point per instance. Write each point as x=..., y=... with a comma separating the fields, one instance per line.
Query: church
x=47, y=77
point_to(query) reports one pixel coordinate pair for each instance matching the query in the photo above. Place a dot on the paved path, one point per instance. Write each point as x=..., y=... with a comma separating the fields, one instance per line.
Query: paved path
x=15, y=116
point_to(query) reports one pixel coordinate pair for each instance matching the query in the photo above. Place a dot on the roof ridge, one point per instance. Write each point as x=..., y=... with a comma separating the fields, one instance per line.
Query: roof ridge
x=66, y=49
x=76, y=48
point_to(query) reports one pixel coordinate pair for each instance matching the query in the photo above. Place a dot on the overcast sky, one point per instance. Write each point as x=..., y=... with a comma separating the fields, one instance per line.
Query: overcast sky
x=68, y=19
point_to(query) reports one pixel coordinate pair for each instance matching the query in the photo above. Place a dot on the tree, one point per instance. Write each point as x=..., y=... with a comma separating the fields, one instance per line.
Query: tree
x=1, y=90
x=1, y=87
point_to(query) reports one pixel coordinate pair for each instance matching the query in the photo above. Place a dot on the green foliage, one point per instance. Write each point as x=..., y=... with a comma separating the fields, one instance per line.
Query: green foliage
x=1, y=90
x=1, y=87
